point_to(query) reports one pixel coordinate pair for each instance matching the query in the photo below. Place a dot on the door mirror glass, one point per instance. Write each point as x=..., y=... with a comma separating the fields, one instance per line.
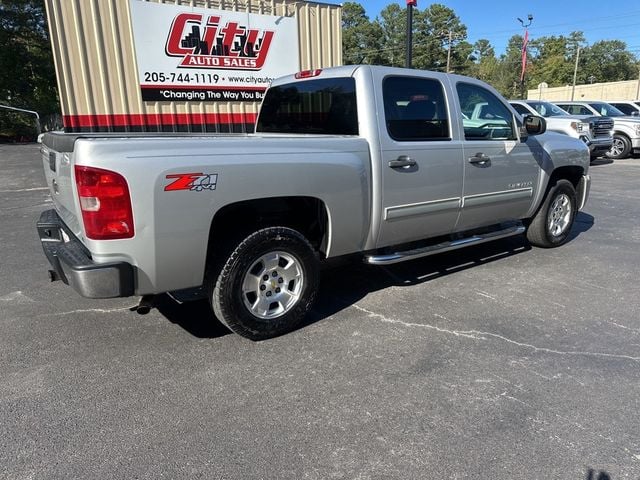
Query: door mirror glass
x=534, y=125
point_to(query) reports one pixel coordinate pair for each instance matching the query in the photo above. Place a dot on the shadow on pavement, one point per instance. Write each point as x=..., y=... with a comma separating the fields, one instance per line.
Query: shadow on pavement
x=582, y=223
x=601, y=161
x=344, y=286
x=345, y=281
x=601, y=475
x=195, y=317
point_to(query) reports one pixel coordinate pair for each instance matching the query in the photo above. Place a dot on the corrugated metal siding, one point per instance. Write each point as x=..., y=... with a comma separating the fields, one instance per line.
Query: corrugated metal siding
x=98, y=77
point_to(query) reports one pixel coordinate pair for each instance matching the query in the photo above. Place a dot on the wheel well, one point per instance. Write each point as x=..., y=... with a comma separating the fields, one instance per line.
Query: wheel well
x=234, y=222
x=621, y=134
x=575, y=175
x=571, y=173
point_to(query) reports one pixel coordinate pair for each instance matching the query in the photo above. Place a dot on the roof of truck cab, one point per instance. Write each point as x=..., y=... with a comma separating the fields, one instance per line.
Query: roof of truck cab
x=349, y=71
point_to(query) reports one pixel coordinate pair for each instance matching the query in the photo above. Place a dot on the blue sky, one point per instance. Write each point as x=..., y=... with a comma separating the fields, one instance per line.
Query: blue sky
x=496, y=19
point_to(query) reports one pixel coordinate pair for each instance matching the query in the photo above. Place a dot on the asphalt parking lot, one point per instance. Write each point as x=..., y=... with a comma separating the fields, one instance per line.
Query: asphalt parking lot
x=498, y=362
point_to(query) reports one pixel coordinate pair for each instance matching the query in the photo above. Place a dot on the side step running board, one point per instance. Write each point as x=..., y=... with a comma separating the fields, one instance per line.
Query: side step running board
x=442, y=247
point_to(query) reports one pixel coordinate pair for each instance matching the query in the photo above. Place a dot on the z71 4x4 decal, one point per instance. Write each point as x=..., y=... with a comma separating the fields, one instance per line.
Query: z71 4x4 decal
x=195, y=182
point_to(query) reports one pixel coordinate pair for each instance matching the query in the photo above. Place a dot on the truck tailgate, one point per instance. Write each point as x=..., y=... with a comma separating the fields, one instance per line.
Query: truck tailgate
x=58, y=172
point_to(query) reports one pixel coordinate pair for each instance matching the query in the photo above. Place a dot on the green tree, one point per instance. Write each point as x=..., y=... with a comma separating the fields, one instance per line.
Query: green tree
x=607, y=61
x=434, y=28
x=485, y=66
x=551, y=62
x=393, y=24
x=507, y=73
x=27, y=74
x=361, y=38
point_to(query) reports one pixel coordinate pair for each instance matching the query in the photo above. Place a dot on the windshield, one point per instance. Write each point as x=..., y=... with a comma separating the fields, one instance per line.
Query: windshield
x=547, y=109
x=606, y=110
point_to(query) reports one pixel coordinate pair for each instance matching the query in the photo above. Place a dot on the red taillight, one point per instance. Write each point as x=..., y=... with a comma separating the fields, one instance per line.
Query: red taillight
x=308, y=73
x=105, y=203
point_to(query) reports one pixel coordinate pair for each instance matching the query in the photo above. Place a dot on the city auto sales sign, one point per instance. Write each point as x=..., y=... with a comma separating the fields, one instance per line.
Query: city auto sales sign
x=201, y=54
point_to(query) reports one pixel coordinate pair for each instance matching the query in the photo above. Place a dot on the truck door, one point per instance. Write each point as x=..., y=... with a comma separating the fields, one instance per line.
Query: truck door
x=421, y=160
x=500, y=172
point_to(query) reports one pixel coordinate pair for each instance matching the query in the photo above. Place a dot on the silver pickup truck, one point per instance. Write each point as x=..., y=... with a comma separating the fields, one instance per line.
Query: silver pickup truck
x=382, y=162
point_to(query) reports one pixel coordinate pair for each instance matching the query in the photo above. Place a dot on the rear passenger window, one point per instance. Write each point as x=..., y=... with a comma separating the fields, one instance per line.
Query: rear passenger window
x=415, y=109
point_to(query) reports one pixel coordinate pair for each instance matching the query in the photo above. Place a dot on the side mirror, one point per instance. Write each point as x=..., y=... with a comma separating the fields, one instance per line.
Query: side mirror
x=635, y=113
x=534, y=125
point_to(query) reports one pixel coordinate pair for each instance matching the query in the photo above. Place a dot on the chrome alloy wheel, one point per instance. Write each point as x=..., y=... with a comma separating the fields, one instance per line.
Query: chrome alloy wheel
x=617, y=147
x=559, y=216
x=272, y=285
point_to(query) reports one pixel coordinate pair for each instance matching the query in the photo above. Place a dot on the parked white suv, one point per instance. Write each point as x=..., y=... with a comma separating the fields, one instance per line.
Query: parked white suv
x=626, y=129
x=594, y=130
x=627, y=107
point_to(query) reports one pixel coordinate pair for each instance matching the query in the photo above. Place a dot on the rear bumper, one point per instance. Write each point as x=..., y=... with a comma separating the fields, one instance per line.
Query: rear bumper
x=72, y=263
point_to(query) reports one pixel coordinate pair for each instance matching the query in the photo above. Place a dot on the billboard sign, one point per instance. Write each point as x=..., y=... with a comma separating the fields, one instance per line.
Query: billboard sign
x=200, y=54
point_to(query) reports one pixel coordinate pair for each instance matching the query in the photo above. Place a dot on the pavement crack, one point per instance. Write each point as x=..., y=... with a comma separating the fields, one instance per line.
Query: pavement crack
x=423, y=325
x=634, y=330
x=88, y=310
x=35, y=189
x=484, y=294
x=478, y=335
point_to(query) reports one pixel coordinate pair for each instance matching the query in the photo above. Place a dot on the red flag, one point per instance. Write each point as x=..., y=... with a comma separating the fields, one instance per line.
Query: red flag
x=524, y=54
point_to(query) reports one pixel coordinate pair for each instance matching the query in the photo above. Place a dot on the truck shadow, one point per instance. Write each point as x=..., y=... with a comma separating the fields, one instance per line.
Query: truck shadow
x=196, y=317
x=594, y=475
x=345, y=281
x=601, y=161
x=346, y=284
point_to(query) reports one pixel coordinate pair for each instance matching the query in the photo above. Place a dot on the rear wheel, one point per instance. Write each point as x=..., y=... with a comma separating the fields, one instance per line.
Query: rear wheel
x=552, y=224
x=620, y=148
x=267, y=285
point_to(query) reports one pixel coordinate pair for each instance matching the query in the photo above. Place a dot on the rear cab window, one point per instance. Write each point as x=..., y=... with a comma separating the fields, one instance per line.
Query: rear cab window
x=324, y=106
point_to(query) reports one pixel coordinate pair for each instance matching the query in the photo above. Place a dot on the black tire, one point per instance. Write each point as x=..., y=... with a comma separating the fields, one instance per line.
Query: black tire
x=552, y=224
x=621, y=147
x=241, y=311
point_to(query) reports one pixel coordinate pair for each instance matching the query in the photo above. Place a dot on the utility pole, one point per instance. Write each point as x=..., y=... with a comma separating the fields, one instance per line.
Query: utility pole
x=449, y=51
x=410, y=5
x=575, y=73
x=449, y=35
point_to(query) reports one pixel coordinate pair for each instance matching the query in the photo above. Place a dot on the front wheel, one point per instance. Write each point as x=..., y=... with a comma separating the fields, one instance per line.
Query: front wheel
x=267, y=285
x=620, y=148
x=552, y=224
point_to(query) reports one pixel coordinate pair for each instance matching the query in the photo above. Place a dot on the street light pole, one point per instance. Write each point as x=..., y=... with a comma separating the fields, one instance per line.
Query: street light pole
x=524, y=50
x=410, y=5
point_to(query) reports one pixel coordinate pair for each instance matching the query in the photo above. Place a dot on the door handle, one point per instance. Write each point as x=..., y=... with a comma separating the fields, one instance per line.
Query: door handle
x=402, y=161
x=480, y=159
